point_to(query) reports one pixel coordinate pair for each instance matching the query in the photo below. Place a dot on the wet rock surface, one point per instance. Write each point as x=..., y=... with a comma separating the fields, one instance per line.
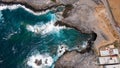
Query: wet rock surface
x=38, y=62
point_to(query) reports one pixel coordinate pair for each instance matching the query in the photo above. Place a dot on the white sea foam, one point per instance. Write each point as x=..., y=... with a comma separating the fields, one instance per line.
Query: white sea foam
x=45, y=28
x=49, y=27
x=46, y=61
x=81, y=47
x=12, y=7
x=85, y=43
x=61, y=49
x=10, y=35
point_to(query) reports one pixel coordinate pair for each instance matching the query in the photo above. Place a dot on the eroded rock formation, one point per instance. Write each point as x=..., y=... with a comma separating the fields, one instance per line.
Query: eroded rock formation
x=87, y=16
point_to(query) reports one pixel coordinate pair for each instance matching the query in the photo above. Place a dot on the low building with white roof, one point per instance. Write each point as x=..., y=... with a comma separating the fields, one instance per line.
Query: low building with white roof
x=108, y=60
x=112, y=66
x=109, y=57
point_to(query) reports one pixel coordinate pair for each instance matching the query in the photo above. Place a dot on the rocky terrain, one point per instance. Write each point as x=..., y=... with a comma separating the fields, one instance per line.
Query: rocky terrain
x=39, y=5
x=87, y=16
x=74, y=59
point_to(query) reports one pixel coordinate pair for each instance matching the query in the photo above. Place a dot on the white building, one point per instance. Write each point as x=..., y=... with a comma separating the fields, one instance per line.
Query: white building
x=112, y=66
x=109, y=57
x=108, y=52
x=108, y=60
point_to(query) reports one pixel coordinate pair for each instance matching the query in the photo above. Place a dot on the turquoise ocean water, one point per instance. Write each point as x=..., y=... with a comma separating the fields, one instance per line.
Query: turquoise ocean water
x=23, y=34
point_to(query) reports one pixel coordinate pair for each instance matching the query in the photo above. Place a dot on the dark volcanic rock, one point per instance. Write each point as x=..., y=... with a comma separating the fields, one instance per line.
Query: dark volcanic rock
x=38, y=62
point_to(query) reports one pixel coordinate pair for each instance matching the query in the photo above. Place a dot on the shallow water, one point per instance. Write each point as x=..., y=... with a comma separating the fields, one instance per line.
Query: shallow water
x=25, y=36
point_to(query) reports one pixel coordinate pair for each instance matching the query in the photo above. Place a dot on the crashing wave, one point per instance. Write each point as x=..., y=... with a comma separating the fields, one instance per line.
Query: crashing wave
x=40, y=61
x=13, y=7
x=49, y=27
x=45, y=29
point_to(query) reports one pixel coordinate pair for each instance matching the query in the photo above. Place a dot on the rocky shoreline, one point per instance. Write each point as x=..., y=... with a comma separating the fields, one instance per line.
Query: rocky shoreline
x=74, y=59
x=87, y=16
x=68, y=8
x=30, y=7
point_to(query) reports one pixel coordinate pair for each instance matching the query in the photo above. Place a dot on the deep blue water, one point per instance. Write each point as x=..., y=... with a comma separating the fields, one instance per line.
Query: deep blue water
x=17, y=43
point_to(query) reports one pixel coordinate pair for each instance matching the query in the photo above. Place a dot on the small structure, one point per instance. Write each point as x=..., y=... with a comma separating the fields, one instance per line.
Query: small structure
x=108, y=60
x=111, y=50
x=109, y=57
x=112, y=66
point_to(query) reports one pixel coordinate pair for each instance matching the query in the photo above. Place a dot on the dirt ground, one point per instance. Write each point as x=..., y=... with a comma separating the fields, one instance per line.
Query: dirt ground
x=115, y=7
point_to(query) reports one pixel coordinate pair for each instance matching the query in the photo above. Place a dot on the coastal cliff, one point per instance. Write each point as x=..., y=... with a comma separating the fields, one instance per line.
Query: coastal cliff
x=38, y=5
x=87, y=16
